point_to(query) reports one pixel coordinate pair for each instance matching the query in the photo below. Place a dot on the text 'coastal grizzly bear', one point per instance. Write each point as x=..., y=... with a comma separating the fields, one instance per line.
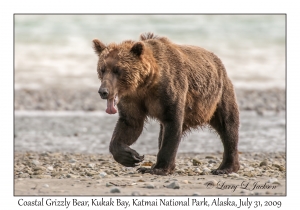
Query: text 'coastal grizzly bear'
x=184, y=87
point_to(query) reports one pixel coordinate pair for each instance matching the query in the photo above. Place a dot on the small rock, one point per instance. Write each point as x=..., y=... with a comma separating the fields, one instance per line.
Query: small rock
x=248, y=169
x=196, y=162
x=103, y=174
x=263, y=163
x=108, y=184
x=212, y=182
x=212, y=161
x=272, y=180
x=35, y=162
x=150, y=186
x=276, y=182
x=235, y=175
x=91, y=173
x=72, y=161
x=197, y=170
x=46, y=185
x=135, y=193
x=25, y=175
x=91, y=165
x=206, y=170
x=50, y=168
x=185, y=181
x=173, y=185
x=71, y=176
x=115, y=190
x=210, y=157
x=37, y=168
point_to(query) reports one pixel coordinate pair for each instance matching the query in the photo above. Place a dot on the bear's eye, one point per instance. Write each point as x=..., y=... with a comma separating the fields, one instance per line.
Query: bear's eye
x=116, y=70
x=102, y=70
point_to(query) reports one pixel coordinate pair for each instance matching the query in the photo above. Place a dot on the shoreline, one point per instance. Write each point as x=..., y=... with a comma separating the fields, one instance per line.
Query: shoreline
x=87, y=99
x=47, y=174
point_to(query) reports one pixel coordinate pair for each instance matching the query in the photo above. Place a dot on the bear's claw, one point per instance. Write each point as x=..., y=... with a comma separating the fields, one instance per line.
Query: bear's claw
x=128, y=157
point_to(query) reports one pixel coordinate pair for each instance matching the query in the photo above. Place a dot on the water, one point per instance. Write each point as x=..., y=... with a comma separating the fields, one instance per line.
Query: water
x=56, y=50
x=90, y=132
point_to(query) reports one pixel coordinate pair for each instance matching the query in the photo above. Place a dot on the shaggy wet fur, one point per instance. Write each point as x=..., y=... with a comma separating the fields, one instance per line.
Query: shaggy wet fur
x=183, y=87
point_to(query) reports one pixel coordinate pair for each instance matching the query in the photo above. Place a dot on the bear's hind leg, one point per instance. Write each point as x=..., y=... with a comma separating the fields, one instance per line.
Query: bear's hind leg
x=226, y=122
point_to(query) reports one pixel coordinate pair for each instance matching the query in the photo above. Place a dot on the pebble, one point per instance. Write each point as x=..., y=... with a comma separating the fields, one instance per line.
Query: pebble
x=150, y=186
x=35, y=162
x=46, y=185
x=272, y=180
x=71, y=176
x=206, y=170
x=210, y=157
x=108, y=184
x=185, y=181
x=235, y=175
x=197, y=170
x=72, y=161
x=196, y=162
x=103, y=174
x=212, y=182
x=135, y=193
x=115, y=190
x=173, y=185
x=263, y=163
x=91, y=165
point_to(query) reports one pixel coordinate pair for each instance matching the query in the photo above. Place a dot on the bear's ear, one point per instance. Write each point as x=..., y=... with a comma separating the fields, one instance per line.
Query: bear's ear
x=137, y=48
x=98, y=46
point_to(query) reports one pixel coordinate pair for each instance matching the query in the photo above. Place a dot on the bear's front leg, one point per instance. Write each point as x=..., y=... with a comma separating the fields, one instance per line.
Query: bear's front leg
x=168, y=149
x=126, y=132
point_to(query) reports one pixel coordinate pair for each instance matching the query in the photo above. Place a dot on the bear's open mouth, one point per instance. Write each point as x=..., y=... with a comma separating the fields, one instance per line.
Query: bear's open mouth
x=111, y=105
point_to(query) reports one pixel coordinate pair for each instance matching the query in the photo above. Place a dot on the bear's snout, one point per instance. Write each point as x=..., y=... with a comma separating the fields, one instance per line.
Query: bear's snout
x=103, y=93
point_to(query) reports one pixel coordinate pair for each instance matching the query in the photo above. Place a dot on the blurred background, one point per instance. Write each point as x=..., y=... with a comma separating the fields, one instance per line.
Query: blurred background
x=57, y=107
x=57, y=49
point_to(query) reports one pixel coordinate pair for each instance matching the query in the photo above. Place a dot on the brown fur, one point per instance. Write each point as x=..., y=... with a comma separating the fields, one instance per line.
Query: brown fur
x=181, y=86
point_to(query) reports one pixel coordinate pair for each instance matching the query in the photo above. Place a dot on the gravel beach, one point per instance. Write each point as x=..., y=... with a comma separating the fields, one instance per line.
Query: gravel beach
x=87, y=174
x=63, y=172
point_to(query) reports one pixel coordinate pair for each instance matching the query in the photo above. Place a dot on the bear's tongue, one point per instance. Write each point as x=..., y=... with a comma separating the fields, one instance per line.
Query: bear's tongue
x=110, y=107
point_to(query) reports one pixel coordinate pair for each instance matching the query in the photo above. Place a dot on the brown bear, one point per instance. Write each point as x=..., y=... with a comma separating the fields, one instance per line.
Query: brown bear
x=182, y=86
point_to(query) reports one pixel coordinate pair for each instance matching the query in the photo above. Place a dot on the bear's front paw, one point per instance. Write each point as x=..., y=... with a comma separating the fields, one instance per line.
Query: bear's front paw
x=128, y=157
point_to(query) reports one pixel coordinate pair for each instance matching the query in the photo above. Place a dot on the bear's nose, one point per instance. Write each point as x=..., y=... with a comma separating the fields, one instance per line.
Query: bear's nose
x=103, y=93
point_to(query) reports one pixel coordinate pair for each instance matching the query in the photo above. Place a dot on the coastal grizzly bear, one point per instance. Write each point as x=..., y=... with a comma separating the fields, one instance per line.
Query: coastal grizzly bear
x=184, y=87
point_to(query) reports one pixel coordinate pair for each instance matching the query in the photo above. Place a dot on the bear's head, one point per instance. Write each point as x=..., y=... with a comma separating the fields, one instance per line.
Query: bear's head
x=122, y=69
